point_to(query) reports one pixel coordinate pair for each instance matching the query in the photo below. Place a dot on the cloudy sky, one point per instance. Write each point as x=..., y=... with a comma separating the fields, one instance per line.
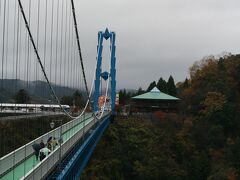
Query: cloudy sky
x=155, y=38
x=158, y=38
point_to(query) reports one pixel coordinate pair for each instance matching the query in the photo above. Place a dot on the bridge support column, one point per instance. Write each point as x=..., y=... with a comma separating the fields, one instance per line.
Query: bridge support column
x=101, y=36
x=98, y=71
x=113, y=71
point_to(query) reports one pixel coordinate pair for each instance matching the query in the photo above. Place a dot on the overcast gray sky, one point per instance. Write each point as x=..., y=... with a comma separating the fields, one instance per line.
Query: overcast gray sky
x=158, y=38
x=155, y=38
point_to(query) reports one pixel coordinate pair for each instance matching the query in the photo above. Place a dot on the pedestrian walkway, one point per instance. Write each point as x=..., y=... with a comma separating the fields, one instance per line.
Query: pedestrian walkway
x=23, y=168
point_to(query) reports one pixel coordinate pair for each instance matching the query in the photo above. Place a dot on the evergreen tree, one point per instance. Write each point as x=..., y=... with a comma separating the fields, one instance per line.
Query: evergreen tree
x=120, y=97
x=151, y=86
x=172, y=90
x=67, y=100
x=162, y=85
x=140, y=91
x=77, y=98
x=22, y=96
x=123, y=96
x=186, y=83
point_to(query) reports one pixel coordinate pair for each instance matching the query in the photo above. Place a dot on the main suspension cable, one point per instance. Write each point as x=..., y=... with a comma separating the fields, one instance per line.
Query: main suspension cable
x=56, y=50
x=79, y=48
x=65, y=45
x=38, y=58
x=51, y=51
x=43, y=70
x=6, y=66
x=3, y=42
x=61, y=44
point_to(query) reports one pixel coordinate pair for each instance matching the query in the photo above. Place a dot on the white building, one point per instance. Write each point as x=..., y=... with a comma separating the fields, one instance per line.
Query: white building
x=31, y=108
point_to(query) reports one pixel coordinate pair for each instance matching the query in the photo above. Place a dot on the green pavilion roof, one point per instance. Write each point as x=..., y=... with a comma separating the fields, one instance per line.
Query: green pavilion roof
x=155, y=94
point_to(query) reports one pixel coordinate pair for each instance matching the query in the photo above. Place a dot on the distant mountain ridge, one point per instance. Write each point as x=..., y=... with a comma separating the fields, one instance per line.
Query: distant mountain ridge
x=39, y=91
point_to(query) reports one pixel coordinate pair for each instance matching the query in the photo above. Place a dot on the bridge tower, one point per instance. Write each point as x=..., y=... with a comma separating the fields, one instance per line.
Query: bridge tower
x=105, y=75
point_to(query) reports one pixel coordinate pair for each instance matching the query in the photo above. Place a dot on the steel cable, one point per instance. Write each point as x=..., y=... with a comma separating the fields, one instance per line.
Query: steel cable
x=16, y=78
x=56, y=50
x=79, y=47
x=45, y=41
x=3, y=40
x=38, y=57
x=61, y=45
x=42, y=67
x=65, y=47
x=39, y=60
x=51, y=52
x=7, y=38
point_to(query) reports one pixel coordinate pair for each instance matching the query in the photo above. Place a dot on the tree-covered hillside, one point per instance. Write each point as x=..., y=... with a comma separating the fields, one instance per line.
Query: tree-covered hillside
x=202, y=141
x=38, y=90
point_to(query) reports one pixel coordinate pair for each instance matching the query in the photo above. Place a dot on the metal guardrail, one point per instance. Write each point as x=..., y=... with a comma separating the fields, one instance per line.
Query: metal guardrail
x=78, y=161
x=12, y=159
x=43, y=168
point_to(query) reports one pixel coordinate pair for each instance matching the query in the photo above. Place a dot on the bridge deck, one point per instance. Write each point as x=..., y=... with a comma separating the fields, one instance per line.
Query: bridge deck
x=23, y=168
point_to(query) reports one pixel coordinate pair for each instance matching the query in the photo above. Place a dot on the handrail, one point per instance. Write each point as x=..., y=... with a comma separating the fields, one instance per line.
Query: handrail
x=42, y=169
x=65, y=127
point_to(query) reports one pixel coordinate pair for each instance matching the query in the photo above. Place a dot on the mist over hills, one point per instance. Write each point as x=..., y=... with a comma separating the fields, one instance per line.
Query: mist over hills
x=39, y=91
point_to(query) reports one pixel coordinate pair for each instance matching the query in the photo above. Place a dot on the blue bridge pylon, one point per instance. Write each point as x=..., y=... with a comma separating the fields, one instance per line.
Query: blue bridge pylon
x=105, y=75
x=81, y=154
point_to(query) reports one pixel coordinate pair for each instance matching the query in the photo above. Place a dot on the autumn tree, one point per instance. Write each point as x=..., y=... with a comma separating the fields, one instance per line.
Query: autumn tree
x=213, y=102
x=200, y=142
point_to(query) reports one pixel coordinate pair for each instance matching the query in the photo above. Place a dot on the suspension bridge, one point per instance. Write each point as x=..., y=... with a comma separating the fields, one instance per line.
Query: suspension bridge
x=40, y=49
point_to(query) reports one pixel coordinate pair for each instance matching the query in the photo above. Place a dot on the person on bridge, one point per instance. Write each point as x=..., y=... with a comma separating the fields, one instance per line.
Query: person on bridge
x=49, y=142
x=44, y=152
x=36, y=148
x=42, y=144
x=54, y=143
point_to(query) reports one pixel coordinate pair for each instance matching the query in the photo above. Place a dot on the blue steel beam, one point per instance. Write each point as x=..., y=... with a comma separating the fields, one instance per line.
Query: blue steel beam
x=80, y=159
x=101, y=36
x=98, y=71
x=113, y=70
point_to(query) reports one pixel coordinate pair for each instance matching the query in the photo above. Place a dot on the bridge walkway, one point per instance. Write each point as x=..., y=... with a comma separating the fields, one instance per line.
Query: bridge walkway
x=20, y=170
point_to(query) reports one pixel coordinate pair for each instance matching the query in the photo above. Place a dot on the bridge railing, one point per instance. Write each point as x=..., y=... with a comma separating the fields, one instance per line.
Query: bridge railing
x=12, y=159
x=42, y=169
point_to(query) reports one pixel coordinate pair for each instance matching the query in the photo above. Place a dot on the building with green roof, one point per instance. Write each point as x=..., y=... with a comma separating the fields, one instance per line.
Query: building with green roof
x=155, y=100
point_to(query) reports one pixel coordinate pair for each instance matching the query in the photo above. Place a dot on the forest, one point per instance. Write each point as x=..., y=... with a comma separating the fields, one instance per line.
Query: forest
x=201, y=141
